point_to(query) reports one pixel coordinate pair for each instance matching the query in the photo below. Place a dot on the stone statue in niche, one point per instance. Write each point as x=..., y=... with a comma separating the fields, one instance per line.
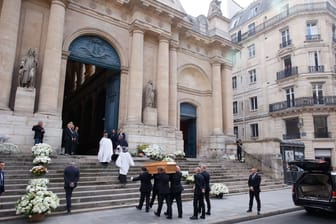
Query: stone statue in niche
x=149, y=94
x=215, y=8
x=27, y=70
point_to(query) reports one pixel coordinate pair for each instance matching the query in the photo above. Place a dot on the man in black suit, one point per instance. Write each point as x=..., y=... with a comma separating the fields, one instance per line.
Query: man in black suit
x=2, y=177
x=154, y=192
x=69, y=138
x=38, y=132
x=254, y=189
x=145, y=188
x=71, y=177
x=199, y=190
x=206, y=176
x=164, y=192
x=176, y=189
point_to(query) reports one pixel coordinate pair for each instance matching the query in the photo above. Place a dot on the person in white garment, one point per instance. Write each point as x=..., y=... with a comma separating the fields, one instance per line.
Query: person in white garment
x=124, y=162
x=105, y=150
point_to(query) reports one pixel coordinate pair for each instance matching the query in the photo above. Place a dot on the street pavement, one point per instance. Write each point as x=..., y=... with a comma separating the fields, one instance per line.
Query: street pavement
x=230, y=209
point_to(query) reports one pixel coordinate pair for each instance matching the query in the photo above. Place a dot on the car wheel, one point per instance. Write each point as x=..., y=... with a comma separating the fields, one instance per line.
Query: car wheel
x=310, y=210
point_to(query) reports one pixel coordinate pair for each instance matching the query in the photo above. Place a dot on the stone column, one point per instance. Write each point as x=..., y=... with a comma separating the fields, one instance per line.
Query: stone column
x=173, y=87
x=217, y=99
x=227, y=100
x=51, y=74
x=65, y=56
x=9, y=27
x=162, y=86
x=136, y=78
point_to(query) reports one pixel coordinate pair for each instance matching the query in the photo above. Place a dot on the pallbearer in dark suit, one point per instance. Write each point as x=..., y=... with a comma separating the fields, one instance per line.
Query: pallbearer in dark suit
x=164, y=192
x=155, y=191
x=206, y=176
x=254, y=189
x=71, y=177
x=199, y=190
x=176, y=189
x=2, y=177
x=145, y=188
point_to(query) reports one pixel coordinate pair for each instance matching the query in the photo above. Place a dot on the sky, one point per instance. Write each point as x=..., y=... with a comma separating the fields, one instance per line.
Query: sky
x=198, y=7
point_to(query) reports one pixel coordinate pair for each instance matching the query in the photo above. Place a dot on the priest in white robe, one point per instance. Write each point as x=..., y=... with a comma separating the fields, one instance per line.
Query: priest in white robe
x=105, y=149
x=124, y=162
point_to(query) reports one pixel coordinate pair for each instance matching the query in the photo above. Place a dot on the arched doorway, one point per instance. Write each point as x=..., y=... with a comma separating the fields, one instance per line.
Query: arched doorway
x=188, y=117
x=91, y=92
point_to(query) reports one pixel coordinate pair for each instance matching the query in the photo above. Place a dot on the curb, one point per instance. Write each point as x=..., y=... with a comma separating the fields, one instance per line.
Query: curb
x=254, y=217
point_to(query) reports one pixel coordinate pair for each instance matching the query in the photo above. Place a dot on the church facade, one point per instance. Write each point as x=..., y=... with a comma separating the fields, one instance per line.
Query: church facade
x=93, y=60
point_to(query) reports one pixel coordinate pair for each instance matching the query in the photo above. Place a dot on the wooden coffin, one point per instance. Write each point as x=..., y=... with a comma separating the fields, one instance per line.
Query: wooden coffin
x=169, y=167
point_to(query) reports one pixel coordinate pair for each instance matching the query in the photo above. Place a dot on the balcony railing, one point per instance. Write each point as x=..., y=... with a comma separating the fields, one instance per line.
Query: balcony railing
x=313, y=37
x=288, y=13
x=302, y=102
x=291, y=136
x=287, y=72
x=285, y=43
x=316, y=68
x=322, y=134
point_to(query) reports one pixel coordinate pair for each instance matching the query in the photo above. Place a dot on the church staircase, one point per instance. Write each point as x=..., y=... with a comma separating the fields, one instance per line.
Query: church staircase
x=99, y=188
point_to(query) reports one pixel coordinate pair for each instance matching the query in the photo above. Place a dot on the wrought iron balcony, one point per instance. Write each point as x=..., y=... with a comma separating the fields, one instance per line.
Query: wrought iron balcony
x=291, y=136
x=302, y=102
x=287, y=72
x=285, y=43
x=313, y=37
x=316, y=68
x=323, y=134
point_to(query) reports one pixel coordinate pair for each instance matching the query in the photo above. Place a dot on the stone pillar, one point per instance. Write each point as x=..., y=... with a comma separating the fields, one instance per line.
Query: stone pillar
x=217, y=99
x=9, y=27
x=124, y=76
x=51, y=74
x=227, y=100
x=162, y=86
x=136, y=78
x=65, y=56
x=173, y=87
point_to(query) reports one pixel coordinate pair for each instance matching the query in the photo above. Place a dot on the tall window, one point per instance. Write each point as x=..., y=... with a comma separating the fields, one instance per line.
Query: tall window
x=235, y=107
x=314, y=62
x=311, y=31
x=251, y=51
x=317, y=93
x=254, y=130
x=290, y=97
x=235, y=131
x=253, y=103
x=285, y=40
x=321, y=127
x=334, y=32
x=234, y=82
x=253, y=12
x=253, y=76
x=251, y=29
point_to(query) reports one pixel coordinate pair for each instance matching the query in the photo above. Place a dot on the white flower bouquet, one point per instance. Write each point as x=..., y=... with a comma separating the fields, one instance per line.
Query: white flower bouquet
x=38, y=199
x=42, y=149
x=39, y=170
x=155, y=152
x=179, y=154
x=219, y=188
x=189, y=179
x=168, y=159
x=41, y=160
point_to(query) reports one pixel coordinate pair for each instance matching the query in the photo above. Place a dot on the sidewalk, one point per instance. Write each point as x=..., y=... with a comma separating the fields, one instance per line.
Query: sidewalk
x=230, y=209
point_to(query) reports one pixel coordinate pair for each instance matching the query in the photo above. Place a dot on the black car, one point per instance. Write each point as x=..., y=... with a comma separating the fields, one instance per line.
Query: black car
x=315, y=189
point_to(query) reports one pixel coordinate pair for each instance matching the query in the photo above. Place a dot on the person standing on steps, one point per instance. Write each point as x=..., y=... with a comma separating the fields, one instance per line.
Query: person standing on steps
x=206, y=176
x=199, y=190
x=38, y=132
x=254, y=189
x=239, y=149
x=71, y=178
x=145, y=188
x=2, y=177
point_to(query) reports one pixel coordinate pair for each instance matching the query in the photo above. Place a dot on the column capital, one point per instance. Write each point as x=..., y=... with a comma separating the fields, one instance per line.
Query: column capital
x=63, y=3
x=174, y=44
x=164, y=38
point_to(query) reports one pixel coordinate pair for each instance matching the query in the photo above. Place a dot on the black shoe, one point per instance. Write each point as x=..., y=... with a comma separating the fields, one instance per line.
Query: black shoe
x=258, y=213
x=202, y=217
x=147, y=209
x=180, y=216
x=169, y=217
x=137, y=207
x=157, y=214
x=249, y=210
x=193, y=217
x=166, y=213
x=208, y=213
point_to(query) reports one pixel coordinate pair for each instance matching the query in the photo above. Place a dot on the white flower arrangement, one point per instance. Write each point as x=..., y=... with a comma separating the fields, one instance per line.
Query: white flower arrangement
x=219, y=188
x=179, y=154
x=42, y=149
x=41, y=160
x=155, y=152
x=168, y=159
x=37, y=199
x=189, y=179
x=8, y=148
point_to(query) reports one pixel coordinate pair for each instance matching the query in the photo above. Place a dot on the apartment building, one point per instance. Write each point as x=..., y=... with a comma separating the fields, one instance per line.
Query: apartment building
x=284, y=77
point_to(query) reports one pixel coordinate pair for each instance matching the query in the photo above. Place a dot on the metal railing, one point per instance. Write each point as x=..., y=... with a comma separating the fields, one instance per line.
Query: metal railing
x=313, y=37
x=287, y=72
x=302, y=102
x=285, y=43
x=322, y=134
x=316, y=68
x=291, y=136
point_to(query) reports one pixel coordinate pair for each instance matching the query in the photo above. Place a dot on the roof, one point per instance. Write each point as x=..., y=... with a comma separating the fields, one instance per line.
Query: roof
x=175, y=4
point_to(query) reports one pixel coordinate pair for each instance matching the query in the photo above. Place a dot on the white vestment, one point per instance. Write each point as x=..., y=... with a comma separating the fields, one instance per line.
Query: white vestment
x=124, y=162
x=105, y=150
